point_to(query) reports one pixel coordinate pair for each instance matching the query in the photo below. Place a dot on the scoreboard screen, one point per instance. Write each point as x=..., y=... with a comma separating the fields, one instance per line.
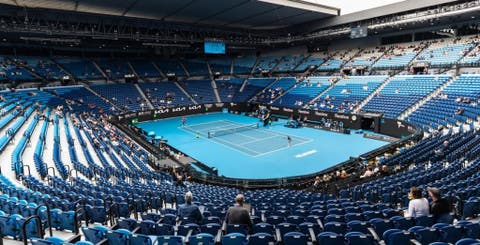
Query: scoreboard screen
x=214, y=47
x=358, y=32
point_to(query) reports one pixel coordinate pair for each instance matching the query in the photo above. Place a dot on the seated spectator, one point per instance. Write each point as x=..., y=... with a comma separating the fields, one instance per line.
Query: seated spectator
x=189, y=210
x=367, y=173
x=439, y=207
x=238, y=215
x=384, y=170
x=418, y=205
x=343, y=174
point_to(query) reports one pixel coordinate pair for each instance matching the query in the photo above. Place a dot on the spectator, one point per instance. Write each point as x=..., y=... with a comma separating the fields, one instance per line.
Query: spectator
x=343, y=174
x=317, y=182
x=189, y=211
x=418, y=205
x=384, y=171
x=367, y=173
x=439, y=207
x=238, y=214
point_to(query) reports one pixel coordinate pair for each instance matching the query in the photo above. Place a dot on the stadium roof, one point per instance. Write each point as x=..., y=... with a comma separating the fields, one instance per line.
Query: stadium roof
x=249, y=14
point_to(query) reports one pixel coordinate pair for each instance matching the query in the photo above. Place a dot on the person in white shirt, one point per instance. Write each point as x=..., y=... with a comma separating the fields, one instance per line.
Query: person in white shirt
x=367, y=173
x=418, y=205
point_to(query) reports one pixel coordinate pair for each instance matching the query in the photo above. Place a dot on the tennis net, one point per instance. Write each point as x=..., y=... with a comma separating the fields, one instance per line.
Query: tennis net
x=220, y=132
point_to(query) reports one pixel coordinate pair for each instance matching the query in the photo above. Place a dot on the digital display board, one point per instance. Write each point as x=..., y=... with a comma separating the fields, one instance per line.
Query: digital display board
x=214, y=47
x=358, y=32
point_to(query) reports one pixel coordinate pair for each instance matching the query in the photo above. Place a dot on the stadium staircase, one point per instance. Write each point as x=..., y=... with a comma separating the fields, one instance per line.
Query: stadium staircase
x=374, y=92
x=140, y=91
x=210, y=73
x=319, y=95
x=72, y=77
x=97, y=94
x=285, y=92
x=184, y=68
x=231, y=67
x=300, y=63
x=31, y=71
x=158, y=69
x=417, y=54
x=379, y=57
x=427, y=98
x=245, y=82
x=254, y=67
x=215, y=90
x=133, y=70
x=265, y=88
x=186, y=93
x=100, y=70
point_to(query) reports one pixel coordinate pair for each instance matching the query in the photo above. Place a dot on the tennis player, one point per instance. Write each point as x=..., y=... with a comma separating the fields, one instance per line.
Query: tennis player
x=289, y=139
x=184, y=121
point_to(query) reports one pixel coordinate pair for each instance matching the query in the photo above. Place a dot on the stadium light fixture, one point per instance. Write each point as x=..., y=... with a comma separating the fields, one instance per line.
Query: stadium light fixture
x=305, y=5
x=53, y=40
x=166, y=45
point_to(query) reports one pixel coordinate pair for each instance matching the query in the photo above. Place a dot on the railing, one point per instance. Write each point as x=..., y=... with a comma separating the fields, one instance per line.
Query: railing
x=38, y=226
x=49, y=217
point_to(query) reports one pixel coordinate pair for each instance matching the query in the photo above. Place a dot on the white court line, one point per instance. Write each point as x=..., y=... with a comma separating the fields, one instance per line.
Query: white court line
x=203, y=123
x=283, y=148
x=216, y=141
x=257, y=139
x=216, y=138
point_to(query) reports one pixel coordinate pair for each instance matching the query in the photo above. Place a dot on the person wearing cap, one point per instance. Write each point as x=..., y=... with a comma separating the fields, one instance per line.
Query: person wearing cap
x=418, y=205
x=238, y=214
x=189, y=211
x=439, y=207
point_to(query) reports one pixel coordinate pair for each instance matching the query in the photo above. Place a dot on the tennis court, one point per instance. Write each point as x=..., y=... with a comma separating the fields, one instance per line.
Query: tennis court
x=258, y=153
x=246, y=138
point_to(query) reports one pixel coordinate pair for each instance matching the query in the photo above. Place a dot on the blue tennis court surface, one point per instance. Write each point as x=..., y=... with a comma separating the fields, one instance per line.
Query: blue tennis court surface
x=245, y=138
x=258, y=153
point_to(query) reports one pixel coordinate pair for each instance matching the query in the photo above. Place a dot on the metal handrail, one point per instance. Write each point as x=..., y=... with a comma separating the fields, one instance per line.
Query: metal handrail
x=38, y=226
x=49, y=217
x=23, y=169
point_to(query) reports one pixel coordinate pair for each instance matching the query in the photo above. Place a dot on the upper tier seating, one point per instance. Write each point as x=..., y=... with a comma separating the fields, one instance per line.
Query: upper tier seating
x=43, y=66
x=79, y=67
x=348, y=92
x=304, y=92
x=367, y=57
x=289, y=63
x=200, y=90
x=402, y=92
x=170, y=66
x=267, y=63
x=8, y=70
x=252, y=87
x=244, y=65
x=228, y=89
x=337, y=59
x=86, y=99
x=164, y=94
x=145, y=68
x=114, y=68
x=276, y=89
x=309, y=62
x=125, y=96
x=455, y=104
x=221, y=65
x=196, y=67
x=440, y=54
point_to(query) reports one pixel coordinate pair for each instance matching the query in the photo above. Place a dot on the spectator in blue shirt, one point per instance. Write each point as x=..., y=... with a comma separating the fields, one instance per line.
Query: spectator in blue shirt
x=189, y=211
